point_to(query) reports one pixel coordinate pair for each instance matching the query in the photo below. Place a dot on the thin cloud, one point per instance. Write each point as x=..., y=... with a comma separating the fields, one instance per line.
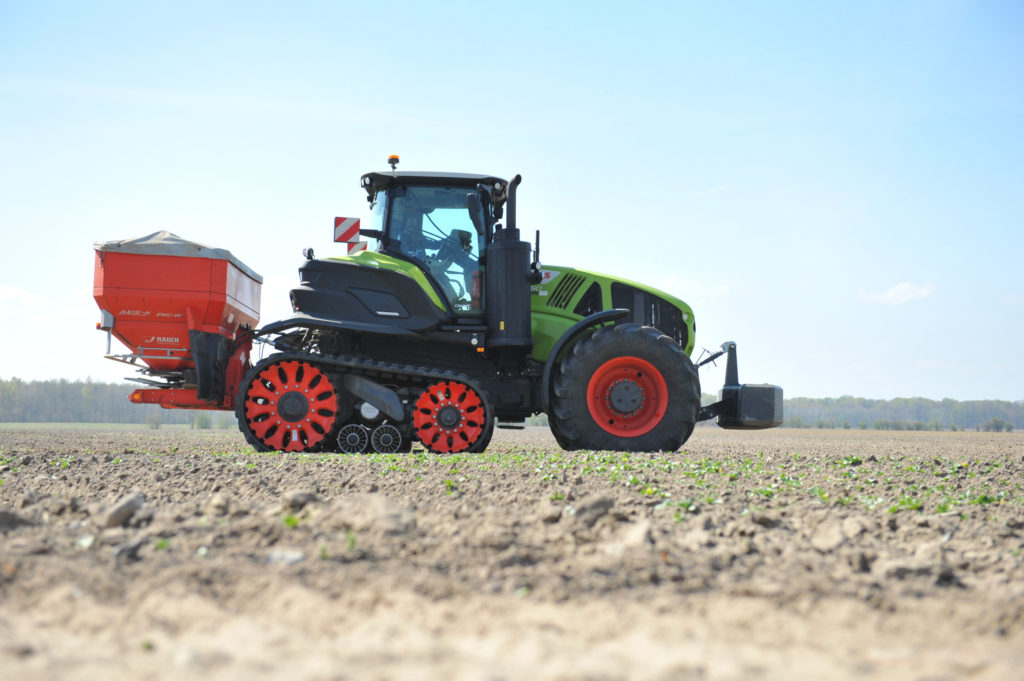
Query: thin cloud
x=934, y=364
x=900, y=294
x=200, y=101
x=19, y=300
x=692, y=292
x=713, y=190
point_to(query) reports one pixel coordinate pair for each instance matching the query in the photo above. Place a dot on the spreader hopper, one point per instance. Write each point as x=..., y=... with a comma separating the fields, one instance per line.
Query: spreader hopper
x=177, y=305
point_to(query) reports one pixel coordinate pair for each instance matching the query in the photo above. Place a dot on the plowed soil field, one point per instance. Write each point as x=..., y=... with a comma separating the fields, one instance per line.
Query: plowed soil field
x=784, y=554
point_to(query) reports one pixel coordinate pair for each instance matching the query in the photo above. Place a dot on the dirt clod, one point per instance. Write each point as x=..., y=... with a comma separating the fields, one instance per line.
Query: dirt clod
x=592, y=508
x=299, y=498
x=121, y=512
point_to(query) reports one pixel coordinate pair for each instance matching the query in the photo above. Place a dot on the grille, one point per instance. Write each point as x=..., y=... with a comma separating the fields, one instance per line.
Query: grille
x=565, y=290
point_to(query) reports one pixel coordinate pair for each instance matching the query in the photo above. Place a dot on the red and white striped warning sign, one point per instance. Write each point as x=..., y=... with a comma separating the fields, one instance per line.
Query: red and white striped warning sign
x=356, y=246
x=346, y=229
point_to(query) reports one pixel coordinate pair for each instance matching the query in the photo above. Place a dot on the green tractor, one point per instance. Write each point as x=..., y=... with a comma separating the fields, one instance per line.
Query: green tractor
x=452, y=327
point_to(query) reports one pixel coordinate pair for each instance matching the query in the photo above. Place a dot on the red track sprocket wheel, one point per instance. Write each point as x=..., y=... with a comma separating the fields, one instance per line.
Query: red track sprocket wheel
x=449, y=417
x=291, y=406
x=627, y=396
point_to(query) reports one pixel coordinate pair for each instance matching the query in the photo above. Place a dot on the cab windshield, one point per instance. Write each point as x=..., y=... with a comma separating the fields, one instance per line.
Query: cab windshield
x=436, y=228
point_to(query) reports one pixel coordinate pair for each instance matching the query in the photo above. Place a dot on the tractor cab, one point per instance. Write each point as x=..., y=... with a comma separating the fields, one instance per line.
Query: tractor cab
x=442, y=224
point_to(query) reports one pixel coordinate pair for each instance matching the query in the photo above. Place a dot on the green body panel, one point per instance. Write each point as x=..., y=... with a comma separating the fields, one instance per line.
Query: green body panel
x=553, y=311
x=386, y=262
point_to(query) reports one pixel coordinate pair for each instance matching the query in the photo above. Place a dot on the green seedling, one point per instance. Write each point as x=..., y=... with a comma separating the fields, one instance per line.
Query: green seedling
x=821, y=494
x=906, y=503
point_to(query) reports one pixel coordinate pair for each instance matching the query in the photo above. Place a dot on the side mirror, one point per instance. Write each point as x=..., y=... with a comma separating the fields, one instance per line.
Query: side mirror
x=475, y=212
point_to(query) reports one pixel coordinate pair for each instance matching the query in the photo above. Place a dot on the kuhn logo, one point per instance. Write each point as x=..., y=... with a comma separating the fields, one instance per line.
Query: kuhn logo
x=163, y=339
x=135, y=313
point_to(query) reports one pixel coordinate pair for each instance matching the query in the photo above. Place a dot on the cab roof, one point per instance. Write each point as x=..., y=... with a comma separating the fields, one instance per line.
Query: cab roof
x=376, y=181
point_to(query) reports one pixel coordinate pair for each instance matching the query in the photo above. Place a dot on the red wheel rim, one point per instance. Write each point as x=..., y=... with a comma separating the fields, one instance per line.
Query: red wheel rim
x=627, y=396
x=291, y=406
x=449, y=417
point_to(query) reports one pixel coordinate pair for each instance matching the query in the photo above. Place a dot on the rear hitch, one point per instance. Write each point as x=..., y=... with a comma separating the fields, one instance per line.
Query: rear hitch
x=742, y=406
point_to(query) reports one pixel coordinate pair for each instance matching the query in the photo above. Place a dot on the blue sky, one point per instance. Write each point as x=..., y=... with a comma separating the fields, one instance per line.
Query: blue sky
x=837, y=188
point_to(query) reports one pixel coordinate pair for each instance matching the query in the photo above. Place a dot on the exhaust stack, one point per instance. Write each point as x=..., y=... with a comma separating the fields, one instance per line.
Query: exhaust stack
x=508, y=284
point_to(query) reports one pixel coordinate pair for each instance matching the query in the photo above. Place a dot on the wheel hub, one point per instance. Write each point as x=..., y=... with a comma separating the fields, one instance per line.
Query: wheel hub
x=626, y=396
x=293, y=407
x=448, y=417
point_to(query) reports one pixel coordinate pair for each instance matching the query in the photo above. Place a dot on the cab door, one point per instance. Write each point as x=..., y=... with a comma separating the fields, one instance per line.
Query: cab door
x=433, y=227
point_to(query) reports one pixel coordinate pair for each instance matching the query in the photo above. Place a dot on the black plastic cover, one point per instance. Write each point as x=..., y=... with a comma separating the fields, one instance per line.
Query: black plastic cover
x=508, y=294
x=364, y=298
x=210, y=354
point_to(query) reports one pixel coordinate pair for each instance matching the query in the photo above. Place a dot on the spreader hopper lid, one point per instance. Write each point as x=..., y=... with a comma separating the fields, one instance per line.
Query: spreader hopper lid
x=166, y=243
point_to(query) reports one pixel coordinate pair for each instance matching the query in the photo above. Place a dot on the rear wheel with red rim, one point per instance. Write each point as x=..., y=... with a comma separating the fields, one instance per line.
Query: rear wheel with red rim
x=625, y=388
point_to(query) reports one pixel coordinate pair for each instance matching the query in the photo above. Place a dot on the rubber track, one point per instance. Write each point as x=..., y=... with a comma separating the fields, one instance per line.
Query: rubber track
x=381, y=371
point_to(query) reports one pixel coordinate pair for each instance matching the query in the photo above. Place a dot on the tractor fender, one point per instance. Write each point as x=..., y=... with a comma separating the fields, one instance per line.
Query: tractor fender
x=568, y=339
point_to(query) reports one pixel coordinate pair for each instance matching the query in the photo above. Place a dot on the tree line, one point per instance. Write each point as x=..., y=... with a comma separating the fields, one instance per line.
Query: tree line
x=63, y=401
x=903, y=413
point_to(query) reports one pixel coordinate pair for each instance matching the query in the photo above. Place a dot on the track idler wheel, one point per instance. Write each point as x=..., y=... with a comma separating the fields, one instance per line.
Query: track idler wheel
x=289, y=406
x=353, y=438
x=386, y=439
x=449, y=417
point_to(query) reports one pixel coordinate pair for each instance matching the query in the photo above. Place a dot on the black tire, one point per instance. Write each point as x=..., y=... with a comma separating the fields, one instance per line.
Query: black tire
x=485, y=437
x=625, y=388
x=560, y=437
x=406, y=444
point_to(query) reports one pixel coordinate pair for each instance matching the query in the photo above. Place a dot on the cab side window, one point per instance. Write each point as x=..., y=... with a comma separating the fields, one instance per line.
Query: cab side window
x=433, y=227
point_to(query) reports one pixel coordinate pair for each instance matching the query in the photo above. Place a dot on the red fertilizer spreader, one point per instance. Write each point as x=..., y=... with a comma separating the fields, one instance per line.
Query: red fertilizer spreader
x=184, y=311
